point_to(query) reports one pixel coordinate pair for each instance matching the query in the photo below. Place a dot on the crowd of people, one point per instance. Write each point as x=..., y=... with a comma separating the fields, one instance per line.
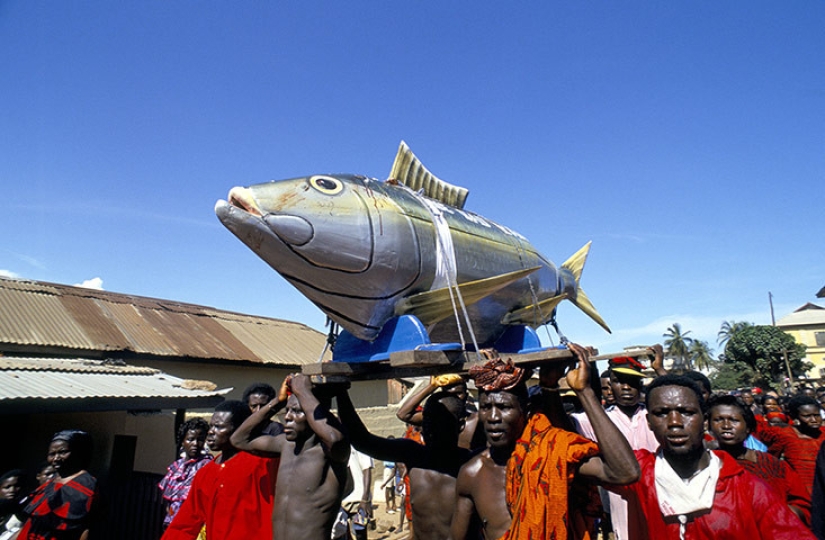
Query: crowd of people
x=561, y=459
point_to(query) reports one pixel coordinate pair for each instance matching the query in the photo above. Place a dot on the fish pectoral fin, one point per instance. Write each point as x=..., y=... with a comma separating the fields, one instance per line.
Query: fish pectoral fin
x=408, y=170
x=535, y=314
x=433, y=306
x=583, y=303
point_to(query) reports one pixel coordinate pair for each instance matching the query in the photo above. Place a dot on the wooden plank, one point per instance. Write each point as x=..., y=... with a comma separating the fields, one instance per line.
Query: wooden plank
x=423, y=363
x=632, y=353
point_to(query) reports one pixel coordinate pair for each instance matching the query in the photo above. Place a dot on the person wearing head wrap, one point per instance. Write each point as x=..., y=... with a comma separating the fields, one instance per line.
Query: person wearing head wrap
x=61, y=509
x=532, y=461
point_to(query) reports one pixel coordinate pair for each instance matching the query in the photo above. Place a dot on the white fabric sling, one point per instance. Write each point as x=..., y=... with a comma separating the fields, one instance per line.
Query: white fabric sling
x=681, y=497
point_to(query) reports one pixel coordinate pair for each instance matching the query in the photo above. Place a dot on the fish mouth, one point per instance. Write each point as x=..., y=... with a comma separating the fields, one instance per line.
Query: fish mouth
x=240, y=197
x=292, y=230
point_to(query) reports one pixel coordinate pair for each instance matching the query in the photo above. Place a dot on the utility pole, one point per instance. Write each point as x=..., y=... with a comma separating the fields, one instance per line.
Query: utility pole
x=784, y=351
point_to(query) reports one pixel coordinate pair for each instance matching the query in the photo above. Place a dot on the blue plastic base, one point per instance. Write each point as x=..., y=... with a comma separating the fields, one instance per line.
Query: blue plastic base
x=518, y=340
x=404, y=333
x=407, y=333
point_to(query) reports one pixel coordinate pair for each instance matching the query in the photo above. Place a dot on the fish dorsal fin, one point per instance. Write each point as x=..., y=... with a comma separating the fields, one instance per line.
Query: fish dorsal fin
x=433, y=306
x=408, y=170
x=535, y=314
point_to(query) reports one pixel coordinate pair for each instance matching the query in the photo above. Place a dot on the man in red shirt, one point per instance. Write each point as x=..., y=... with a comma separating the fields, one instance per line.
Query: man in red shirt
x=686, y=491
x=231, y=495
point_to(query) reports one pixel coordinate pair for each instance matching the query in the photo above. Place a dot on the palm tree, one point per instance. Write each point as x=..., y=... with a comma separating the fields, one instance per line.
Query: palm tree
x=728, y=330
x=701, y=354
x=677, y=343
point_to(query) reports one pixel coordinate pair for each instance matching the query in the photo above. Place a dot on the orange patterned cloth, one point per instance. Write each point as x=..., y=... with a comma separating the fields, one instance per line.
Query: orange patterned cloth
x=539, y=474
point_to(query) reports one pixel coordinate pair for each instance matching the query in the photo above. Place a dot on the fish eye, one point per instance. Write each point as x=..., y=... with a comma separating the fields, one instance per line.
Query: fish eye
x=326, y=185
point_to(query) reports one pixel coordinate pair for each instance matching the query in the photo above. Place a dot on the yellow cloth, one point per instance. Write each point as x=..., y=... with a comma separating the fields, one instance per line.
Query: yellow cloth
x=539, y=474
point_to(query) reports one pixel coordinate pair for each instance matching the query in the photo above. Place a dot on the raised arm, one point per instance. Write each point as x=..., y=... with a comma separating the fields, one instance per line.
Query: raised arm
x=616, y=463
x=658, y=363
x=396, y=450
x=551, y=403
x=407, y=411
x=262, y=445
x=326, y=426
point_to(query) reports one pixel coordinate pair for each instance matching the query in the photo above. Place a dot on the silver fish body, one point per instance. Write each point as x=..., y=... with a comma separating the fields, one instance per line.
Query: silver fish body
x=363, y=251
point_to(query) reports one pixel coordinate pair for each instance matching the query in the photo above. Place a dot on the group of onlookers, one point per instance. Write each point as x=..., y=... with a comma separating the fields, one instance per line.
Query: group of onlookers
x=60, y=507
x=667, y=459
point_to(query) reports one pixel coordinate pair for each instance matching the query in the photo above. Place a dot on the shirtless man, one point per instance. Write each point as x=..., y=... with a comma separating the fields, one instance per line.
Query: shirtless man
x=482, y=482
x=433, y=466
x=472, y=436
x=313, y=471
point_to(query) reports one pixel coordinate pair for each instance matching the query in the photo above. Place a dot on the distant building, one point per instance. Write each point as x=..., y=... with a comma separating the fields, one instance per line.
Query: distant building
x=128, y=369
x=807, y=326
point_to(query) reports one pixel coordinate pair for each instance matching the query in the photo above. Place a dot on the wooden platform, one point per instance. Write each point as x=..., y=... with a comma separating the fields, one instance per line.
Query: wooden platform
x=425, y=363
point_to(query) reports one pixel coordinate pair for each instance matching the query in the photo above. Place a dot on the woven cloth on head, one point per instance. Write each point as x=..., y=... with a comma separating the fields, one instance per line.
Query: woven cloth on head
x=496, y=375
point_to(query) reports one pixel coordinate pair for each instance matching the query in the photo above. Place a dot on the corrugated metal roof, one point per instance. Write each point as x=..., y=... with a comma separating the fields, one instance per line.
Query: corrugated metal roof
x=35, y=316
x=106, y=384
x=807, y=315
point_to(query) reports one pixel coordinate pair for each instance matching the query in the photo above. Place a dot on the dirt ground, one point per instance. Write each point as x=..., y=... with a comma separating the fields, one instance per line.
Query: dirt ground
x=386, y=525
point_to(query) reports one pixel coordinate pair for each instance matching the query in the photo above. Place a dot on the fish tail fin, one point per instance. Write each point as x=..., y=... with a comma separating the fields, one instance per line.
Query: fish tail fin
x=575, y=264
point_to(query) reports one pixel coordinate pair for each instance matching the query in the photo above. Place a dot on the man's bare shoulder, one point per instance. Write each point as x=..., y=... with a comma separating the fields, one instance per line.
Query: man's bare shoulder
x=477, y=467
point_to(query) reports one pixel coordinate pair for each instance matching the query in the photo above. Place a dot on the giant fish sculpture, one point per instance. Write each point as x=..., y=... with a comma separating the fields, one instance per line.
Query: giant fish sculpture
x=365, y=251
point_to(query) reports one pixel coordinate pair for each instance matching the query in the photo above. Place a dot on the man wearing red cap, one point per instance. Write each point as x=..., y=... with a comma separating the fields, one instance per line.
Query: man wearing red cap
x=630, y=416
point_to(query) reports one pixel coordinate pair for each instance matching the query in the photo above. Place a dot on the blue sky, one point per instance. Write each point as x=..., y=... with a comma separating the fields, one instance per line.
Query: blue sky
x=685, y=139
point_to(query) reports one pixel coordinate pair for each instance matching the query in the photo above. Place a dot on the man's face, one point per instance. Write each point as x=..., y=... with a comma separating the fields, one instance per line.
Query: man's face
x=10, y=488
x=626, y=389
x=809, y=419
x=727, y=424
x=820, y=396
x=220, y=429
x=256, y=401
x=607, y=391
x=502, y=417
x=747, y=398
x=676, y=419
x=193, y=443
x=295, y=420
x=459, y=390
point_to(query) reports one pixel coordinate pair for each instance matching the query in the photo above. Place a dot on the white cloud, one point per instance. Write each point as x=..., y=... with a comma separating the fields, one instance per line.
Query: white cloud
x=94, y=283
x=9, y=274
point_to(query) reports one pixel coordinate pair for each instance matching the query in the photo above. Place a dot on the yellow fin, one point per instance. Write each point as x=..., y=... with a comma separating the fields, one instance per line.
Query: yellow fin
x=534, y=314
x=584, y=304
x=576, y=261
x=576, y=265
x=408, y=170
x=433, y=306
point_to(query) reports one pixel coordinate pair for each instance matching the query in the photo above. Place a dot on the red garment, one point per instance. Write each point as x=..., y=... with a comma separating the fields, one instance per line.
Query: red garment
x=233, y=499
x=799, y=452
x=780, y=476
x=744, y=508
x=59, y=511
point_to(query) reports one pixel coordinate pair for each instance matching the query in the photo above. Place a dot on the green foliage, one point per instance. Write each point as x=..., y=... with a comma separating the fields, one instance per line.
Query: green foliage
x=761, y=349
x=701, y=355
x=677, y=344
x=733, y=375
x=729, y=329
